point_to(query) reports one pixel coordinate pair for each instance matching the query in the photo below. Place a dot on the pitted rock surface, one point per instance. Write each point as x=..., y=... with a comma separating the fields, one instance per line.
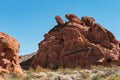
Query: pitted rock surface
x=9, y=49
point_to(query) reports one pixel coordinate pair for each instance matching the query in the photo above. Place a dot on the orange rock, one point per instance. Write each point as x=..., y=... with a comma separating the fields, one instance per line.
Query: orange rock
x=1, y=79
x=9, y=49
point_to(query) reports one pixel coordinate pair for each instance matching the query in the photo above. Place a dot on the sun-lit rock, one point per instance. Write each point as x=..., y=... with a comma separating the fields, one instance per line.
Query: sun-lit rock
x=77, y=42
x=9, y=48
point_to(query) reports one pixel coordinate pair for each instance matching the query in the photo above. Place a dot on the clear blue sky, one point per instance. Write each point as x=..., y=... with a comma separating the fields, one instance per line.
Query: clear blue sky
x=29, y=20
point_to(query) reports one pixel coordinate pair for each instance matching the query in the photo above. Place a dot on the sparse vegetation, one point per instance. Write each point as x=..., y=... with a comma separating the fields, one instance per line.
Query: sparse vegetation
x=41, y=69
x=97, y=77
x=99, y=67
x=114, y=77
x=65, y=70
x=96, y=73
x=85, y=75
x=12, y=76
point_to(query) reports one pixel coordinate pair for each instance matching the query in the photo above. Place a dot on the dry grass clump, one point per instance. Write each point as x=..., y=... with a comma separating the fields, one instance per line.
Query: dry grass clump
x=97, y=77
x=65, y=70
x=114, y=77
x=38, y=69
x=11, y=76
x=30, y=74
x=111, y=77
x=85, y=76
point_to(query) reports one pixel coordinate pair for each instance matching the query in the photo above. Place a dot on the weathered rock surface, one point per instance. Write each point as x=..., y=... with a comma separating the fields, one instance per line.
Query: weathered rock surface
x=9, y=49
x=78, y=42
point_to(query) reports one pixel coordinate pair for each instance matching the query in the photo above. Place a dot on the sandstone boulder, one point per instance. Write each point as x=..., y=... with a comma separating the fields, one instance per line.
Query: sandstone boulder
x=89, y=21
x=59, y=20
x=9, y=49
x=74, y=18
x=78, y=42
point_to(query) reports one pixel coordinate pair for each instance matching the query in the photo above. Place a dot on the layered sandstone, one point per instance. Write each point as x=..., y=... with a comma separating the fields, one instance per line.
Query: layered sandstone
x=77, y=42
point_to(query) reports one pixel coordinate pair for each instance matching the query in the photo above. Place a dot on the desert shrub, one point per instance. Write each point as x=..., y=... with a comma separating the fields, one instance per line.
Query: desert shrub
x=98, y=67
x=30, y=74
x=97, y=77
x=65, y=70
x=38, y=69
x=114, y=77
x=41, y=69
x=85, y=75
x=28, y=77
x=78, y=68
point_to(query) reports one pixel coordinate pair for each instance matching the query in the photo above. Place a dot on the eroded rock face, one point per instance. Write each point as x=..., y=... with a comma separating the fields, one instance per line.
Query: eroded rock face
x=78, y=42
x=9, y=49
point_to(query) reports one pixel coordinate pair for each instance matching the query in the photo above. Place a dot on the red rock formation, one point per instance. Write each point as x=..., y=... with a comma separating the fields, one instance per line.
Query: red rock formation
x=74, y=18
x=73, y=44
x=89, y=21
x=59, y=20
x=9, y=49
